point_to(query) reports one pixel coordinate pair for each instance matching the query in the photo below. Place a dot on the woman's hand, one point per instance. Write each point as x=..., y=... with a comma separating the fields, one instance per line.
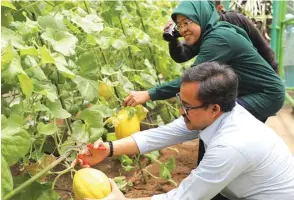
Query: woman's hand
x=136, y=97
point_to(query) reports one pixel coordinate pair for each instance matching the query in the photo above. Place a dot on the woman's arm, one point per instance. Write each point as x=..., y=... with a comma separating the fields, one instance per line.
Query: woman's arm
x=181, y=52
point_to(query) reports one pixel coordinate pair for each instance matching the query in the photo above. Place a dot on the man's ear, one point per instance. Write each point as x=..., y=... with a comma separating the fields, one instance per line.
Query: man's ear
x=216, y=109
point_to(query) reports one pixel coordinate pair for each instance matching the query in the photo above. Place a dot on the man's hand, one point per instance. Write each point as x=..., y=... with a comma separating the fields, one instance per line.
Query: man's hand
x=115, y=194
x=93, y=155
x=136, y=97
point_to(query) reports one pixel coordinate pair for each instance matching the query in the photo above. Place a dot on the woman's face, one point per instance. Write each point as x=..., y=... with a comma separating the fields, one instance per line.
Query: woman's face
x=188, y=29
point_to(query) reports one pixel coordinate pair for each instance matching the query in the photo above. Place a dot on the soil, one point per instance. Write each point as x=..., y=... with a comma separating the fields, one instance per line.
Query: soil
x=186, y=159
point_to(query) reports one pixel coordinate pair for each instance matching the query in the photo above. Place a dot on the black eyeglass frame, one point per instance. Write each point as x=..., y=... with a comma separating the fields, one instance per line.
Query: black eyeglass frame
x=187, y=108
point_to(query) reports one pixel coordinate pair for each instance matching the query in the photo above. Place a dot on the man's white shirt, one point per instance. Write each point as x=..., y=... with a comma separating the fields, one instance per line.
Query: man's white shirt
x=244, y=159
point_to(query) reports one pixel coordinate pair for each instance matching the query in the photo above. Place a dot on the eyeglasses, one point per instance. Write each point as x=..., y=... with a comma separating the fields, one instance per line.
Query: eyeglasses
x=187, y=108
x=185, y=24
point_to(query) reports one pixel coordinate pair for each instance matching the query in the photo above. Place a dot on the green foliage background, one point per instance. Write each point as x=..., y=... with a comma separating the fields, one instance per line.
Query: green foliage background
x=53, y=54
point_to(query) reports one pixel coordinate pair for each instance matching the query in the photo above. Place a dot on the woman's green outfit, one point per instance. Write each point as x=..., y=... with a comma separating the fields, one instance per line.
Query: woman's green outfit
x=261, y=91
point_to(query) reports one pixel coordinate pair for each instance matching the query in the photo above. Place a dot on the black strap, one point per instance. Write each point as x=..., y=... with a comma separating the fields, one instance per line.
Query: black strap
x=110, y=149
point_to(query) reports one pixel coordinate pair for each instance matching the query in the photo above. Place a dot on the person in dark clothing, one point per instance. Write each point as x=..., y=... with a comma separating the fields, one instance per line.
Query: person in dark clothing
x=261, y=91
x=180, y=52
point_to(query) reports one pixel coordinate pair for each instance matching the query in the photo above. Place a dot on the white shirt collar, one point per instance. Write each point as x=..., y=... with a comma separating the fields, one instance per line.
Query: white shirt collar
x=207, y=134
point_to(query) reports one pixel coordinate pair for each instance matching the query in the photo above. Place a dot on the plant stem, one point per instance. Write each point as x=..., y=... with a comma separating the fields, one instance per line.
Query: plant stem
x=63, y=106
x=156, y=177
x=86, y=6
x=141, y=170
x=37, y=176
x=42, y=144
x=60, y=174
x=149, y=124
x=150, y=50
x=56, y=143
x=115, y=90
x=129, y=48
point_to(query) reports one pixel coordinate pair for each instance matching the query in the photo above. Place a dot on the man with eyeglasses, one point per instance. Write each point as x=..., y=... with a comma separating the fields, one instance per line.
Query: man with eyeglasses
x=244, y=158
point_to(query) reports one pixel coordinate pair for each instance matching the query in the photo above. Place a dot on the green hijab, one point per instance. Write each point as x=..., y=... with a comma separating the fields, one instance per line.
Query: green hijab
x=205, y=15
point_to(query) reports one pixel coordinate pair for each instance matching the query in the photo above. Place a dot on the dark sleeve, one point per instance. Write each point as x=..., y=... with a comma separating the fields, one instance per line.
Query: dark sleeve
x=255, y=36
x=215, y=48
x=166, y=90
x=180, y=52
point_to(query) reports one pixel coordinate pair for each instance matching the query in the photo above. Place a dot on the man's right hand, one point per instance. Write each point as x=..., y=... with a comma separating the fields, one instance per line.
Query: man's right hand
x=136, y=97
x=93, y=155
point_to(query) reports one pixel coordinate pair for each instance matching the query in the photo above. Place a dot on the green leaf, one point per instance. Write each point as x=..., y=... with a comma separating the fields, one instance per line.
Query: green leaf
x=125, y=160
x=102, y=109
x=72, y=27
x=32, y=192
x=88, y=65
x=7, y=36
x=49, y=195
x=128, y=168
x=103, y=42
x=6, y=17
x=87, y=88
x=126, y=83
x=4, y=121
x=13, y=70
x=8, y=4
x=150, y=67
x=61, y=41
x=135, y=49
x=6, y=178
x=79, y=132
x=15, y=122
x=15, y=144
x=7, y=57
x=32, y=51
x=95, y=134
x=171, y=164
x=26, y=29
x=46, y=129
x=52, y=22
x=45, y=55
x=26, y=85
x=60, y=64
x=153, y=156
x=89, y=23
x=107, y=70
x=57, y=111
x=145, y=80
x=46, y=88
x=91, y=40
x=37, y=73
x=119, y=44
x=111, y=137
x=69, y=143
x=92, y=118
x=164, y=172
x=40, y=107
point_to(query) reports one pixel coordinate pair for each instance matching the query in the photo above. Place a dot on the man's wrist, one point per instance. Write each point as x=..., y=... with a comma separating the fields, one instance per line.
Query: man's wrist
x=106, y=144
x=110, y=149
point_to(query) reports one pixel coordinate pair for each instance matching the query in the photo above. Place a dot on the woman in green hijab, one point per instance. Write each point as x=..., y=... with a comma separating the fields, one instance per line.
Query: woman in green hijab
x=261, y=91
